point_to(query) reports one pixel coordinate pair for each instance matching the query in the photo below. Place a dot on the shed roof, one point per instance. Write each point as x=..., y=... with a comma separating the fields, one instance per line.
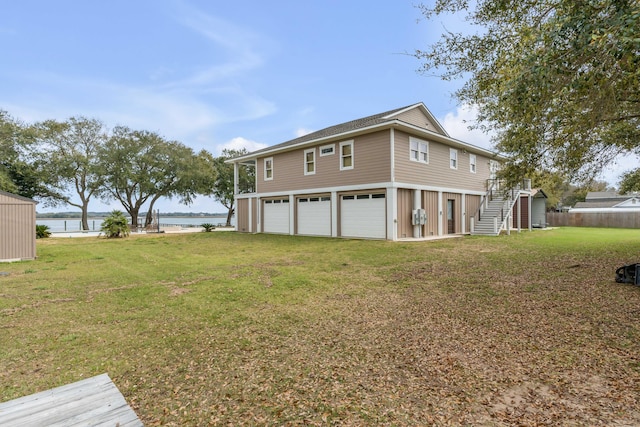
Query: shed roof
x=5, y=196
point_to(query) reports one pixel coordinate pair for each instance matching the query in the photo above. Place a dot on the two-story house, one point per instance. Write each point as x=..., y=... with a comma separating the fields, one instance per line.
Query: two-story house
x=393, y=175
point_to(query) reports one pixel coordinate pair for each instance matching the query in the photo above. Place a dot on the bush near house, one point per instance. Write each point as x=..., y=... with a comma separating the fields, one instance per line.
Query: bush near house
x=42, y=231
x=115, y=225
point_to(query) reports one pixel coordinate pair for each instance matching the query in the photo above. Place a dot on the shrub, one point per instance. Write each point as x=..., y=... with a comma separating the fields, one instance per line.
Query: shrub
x=42, y=231
x=115, y=225
x=208, y=227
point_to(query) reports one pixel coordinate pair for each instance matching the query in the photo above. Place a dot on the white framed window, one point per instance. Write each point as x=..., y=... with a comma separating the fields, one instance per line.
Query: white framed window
x=418, y=150
x=453, y=158
x=268, y=169
x=328, y=150
x=472, y=163
x=346, y=155
x=310, y=161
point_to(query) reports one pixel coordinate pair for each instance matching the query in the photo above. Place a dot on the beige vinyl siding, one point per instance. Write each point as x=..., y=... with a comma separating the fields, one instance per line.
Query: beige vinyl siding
x=405, y=211
x=17, y=228
x=242, y=215
x=243, y=218
x=472, y=203
x=371, y=164
x=457, y=211
x=430, y=205
x=437, y=172
x=416, y=117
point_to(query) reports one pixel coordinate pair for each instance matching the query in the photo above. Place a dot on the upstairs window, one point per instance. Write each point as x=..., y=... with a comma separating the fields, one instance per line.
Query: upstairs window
x=419, y=150
x=472, y=163
x=310, y=161
x=453, y=158
x=346, y=155
x=268, y=169
x=327, y=150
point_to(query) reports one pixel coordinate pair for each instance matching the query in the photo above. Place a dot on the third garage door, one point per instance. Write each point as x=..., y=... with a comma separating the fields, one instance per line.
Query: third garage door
x=363, y=215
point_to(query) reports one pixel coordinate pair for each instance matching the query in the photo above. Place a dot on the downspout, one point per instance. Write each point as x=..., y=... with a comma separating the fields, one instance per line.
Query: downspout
x=392, y=198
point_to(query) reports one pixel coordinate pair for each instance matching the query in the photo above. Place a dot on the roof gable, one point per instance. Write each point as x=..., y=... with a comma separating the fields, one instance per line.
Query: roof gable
x=418, y=115
x=632, y=202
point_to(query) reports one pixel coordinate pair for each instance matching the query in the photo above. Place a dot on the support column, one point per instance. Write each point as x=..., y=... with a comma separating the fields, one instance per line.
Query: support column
x=392, y=213
x=463, y=208
x=519, y=213
x=334, y=213
x=440, y=217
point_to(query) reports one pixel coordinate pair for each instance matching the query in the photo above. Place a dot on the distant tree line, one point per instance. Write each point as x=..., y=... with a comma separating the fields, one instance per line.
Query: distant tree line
x=76, y=161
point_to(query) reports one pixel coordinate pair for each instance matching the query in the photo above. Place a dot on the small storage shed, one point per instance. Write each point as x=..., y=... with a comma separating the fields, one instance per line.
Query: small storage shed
x=17, y=227
x=538, y=208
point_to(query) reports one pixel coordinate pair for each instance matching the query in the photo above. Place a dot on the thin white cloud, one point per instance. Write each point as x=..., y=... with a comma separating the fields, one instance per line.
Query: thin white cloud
x=457, y=125
x=238, y=143
x=242, y=47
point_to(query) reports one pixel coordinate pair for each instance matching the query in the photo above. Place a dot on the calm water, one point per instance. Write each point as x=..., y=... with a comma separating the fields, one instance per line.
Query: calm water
x=62, y=225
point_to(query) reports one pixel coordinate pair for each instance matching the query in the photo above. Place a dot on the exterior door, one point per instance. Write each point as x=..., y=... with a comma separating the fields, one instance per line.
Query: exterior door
x=451, y=215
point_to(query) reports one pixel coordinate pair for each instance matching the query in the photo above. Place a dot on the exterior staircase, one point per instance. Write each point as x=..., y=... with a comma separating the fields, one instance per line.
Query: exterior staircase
x=495, y=211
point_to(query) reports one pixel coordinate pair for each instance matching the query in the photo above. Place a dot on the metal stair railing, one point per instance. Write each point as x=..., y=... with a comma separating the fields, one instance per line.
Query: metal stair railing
x=510, y=197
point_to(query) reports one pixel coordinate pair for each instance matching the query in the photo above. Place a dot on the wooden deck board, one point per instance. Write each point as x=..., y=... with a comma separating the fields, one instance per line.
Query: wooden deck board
x=92, y=402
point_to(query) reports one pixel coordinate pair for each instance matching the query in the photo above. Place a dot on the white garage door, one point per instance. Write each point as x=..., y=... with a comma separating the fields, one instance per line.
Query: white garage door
x=314, y=216
x=363, y=215
x=276, y=216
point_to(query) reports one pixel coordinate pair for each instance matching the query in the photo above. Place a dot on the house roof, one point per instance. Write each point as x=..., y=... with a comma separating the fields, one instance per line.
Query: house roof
x=594, y=196
x=622, y=202
x=380, y=120
x=599, y=204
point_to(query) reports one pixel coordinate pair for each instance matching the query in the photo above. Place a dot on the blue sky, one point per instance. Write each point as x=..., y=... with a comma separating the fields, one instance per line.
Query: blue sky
x=218, y=75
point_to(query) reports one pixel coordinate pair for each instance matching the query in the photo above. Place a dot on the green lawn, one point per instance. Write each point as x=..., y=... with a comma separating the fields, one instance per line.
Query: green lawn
x=234, y=329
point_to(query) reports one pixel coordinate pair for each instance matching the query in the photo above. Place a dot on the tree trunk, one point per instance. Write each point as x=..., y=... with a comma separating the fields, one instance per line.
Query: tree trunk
x=85, y=215
x=134, y=218
x=229, y=215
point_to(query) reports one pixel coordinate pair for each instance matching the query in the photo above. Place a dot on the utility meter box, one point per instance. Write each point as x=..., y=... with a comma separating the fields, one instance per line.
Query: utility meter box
x=419, y=217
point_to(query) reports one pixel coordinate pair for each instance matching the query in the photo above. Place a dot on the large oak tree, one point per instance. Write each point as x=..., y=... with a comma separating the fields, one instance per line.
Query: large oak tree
x=142, y=166
x=556, y=81
x=69, y=156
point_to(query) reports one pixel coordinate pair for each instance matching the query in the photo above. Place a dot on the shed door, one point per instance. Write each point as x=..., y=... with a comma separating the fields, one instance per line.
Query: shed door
x=276, y=216
x=314, y=216
x=363, y=215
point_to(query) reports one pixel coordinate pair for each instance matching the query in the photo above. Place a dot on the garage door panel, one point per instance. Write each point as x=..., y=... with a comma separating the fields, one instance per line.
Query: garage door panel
x=314, y=216
x=363, y=215
x=276, y=216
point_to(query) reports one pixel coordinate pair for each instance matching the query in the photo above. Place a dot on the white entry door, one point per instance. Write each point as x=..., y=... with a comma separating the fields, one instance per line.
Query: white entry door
x=314, y=216
x=363, y=215
x=276, y=216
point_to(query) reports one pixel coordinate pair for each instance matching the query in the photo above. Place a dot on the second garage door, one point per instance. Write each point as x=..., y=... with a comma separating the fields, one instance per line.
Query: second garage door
x=314, y=216
x=363, y=215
